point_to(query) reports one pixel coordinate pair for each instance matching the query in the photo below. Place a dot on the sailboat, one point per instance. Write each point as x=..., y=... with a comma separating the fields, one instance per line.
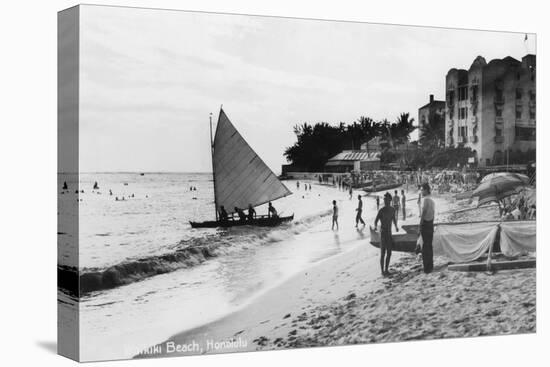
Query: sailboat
x=241, y=179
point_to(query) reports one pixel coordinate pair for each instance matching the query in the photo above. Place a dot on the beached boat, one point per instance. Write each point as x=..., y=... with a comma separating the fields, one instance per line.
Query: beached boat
x=240, y=179
x=402, y=242
x=383, y=187
x=413, y=228
x=362, y=185
x=494, y=266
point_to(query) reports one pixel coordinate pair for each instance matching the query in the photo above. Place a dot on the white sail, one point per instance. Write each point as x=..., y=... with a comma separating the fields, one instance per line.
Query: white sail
x=240, y=176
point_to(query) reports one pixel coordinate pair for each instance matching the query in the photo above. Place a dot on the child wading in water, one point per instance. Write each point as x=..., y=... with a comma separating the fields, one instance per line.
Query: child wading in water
x=386, y=216
x=334, y=215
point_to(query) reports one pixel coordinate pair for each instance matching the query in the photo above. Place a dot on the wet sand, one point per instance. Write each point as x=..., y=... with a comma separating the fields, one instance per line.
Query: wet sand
x=272, y=316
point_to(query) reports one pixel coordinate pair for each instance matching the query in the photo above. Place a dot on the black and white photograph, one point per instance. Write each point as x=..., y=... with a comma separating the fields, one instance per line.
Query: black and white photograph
x=236, y=183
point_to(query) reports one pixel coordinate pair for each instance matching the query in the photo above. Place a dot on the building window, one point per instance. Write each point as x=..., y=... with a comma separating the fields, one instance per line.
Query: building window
x=532, y=95
x=473, y=93
x=518, y=112
x=498, y=112
x=519, y=93
x=462, y=113
x=462, y=93
x=525, y=133
x=463, y=132
x=450, y=97
x=532, y=114
x=499, y=95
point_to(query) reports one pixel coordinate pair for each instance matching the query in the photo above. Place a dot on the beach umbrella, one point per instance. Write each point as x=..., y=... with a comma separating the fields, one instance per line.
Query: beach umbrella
x=512, y=175
x=497, y=186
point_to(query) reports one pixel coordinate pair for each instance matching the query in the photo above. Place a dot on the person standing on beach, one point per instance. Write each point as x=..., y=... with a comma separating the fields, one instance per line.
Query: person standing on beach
x=419, y=201
x=334, y=215
x=427, y=228
x=350, y=192
x=359, y=211
x=403, y=200
x=377, y=203
x=396, y=205
x=386, y=216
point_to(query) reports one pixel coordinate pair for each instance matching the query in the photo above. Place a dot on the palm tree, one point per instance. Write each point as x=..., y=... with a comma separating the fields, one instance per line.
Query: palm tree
x=403, y=127
x=433, y=132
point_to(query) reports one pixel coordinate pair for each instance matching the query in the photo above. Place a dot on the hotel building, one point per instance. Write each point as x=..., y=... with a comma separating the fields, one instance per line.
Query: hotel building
x=491, y=108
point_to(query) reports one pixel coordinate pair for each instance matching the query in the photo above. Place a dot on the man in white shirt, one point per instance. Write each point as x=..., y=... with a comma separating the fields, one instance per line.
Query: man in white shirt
x=334, y=215
x=427, y=227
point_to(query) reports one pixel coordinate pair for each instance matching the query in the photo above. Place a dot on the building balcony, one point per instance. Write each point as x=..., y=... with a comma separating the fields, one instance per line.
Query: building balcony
x=499, y=139
x=462, y=139
x=499, y=100
x=473, y=138
x=473, y=120
x=449, y=140
x=532, y=103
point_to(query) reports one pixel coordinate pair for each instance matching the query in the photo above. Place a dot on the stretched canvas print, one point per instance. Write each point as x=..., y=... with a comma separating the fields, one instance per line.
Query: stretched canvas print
x=234, y=183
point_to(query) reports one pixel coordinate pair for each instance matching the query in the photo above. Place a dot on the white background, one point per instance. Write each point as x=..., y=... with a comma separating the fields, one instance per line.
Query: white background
x=28, y=181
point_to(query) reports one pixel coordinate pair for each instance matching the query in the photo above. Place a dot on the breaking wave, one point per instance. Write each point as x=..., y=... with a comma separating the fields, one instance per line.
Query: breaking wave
x=187, y=254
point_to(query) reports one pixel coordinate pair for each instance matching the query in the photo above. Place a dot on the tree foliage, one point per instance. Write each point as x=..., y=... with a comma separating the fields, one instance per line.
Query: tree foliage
x=315, y=144
x=432, y=133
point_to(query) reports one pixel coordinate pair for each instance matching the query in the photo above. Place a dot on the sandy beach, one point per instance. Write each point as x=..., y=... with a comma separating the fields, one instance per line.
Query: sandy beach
x=344, y=300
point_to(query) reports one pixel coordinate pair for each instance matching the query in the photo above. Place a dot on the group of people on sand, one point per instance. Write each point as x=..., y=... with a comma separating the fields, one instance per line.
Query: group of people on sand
x=246, y=217
x=307, y=186
x=388, y=215
x=520, y=208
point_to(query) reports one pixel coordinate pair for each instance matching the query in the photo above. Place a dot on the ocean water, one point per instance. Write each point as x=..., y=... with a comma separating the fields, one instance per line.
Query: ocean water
x=145, y=274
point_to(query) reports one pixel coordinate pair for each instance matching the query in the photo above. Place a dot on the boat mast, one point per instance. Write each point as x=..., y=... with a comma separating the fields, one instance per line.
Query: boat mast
x=213, y=173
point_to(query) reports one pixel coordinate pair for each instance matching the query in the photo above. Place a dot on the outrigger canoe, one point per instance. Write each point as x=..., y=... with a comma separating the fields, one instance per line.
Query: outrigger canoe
x=495, y=265
x=260, y=221
x=383, y=187
x=402, y=242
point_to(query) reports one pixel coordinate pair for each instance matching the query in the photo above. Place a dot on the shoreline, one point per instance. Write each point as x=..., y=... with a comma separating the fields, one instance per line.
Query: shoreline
x=344, y=300
x=268, y=313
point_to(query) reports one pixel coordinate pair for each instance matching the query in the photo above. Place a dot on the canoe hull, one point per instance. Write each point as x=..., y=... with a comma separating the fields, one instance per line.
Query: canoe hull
x=402, y=242
x=263, y=221
x=382, y=187
x=496, y=265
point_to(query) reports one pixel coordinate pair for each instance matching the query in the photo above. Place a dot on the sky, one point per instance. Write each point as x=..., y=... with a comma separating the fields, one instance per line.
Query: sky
x=149, y=80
